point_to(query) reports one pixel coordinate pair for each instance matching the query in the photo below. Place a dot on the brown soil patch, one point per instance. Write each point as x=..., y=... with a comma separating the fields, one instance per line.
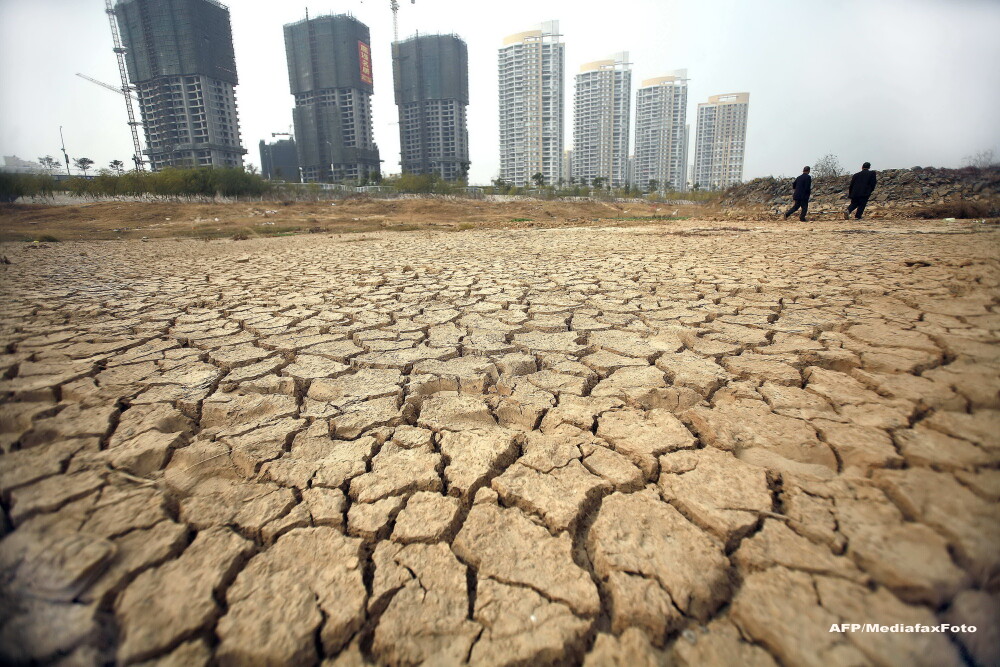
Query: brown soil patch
x=123, y=220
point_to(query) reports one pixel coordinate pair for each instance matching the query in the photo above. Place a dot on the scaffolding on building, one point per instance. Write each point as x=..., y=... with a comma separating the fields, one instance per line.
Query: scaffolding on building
x=126, y=88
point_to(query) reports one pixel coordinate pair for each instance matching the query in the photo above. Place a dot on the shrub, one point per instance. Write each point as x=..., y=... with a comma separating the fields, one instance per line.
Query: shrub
x=17, y=186
x=172, y=182
x=959, y=209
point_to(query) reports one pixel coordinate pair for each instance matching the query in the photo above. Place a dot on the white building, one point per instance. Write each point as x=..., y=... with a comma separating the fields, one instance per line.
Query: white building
x=661, y=152
x=601, y=119
x=719, y=141
x=15, y=165
x=567, y=168
x=531, y=69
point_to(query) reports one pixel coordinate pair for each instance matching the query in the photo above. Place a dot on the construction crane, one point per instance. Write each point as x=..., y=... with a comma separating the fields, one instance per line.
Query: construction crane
x=394, y=6
x=104, y=85
x=126, y=90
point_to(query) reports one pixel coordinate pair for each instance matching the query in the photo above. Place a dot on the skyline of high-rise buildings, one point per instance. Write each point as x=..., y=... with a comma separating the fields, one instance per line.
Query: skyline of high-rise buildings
x=531, y=69
x=601, y=117
x=180, y=59
x=720, y=141
x=431, y=88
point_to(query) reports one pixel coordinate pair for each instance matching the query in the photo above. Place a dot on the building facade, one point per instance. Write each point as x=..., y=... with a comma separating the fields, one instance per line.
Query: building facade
x=567, y=166
x=661, y=153
x=330, y=76
x=601, y=121
x=279, y=161
x=179, y=55
x=431, y=77
x=531, y=77
x=720, y=138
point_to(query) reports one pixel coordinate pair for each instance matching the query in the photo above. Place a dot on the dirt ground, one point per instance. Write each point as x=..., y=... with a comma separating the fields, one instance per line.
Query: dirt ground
x=680, y=443
x=134, y=220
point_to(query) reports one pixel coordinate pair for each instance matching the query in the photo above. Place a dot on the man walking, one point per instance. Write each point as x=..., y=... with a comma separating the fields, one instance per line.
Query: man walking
x=862, y=187
x=801, y=189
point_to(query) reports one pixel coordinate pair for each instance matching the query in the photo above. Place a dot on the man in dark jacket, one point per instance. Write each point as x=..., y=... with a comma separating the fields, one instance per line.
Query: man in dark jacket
x=801, y=189
x=862, y=187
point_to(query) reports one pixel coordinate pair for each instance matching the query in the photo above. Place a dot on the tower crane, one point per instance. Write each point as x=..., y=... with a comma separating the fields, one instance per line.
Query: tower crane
x=394, y=6
x=126, y=90
x=104, y=85
x=395, y=18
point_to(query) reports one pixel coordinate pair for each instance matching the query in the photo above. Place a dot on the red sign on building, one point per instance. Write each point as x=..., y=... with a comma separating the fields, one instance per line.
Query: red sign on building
x=365, y=56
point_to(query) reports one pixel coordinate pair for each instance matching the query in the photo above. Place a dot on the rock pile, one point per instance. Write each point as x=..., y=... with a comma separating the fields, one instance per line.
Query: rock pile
x=900, y=192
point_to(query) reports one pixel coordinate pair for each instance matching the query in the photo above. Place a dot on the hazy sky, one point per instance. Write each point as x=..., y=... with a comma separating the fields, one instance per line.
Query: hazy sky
x=896, y=82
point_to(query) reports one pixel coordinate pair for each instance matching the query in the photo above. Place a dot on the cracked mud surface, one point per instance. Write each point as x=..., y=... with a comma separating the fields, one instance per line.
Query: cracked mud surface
x=584, y=446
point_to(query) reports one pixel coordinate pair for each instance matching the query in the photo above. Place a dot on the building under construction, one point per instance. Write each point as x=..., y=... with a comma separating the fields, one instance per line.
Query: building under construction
x=431, y=76
x=180, y=60
x=279, y=161
x=330, y=75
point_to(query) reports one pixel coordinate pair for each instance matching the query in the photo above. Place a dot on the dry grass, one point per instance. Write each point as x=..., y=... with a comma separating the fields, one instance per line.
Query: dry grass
x=134, y=220
x=960, y=209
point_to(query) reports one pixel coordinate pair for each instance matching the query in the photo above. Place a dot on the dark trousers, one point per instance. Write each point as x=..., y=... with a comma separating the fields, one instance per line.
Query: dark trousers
x=799, y=203
x=857, y=203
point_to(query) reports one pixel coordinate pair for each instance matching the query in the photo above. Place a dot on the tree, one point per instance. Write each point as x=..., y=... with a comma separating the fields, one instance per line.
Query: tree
x=653, y=185
x=117, y=166
x=598, y=182
x=49, y=163
x=83, y=164
x=828, y=166
x=539, y=179
x=502, y=186
x=251, y=168
x=982, y=159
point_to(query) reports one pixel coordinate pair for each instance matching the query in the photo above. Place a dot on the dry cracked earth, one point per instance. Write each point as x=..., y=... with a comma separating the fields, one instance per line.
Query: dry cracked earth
x=690, y=445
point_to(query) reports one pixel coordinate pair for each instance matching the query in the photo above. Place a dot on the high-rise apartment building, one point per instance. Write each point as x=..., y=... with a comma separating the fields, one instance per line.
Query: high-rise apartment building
x=601, y=121
x=720, y=139
x=661, y=132
x=330, y=75
x=567, y=165
x=531, y=68
x=179, y=55
x=431, y=76
x=279, y=161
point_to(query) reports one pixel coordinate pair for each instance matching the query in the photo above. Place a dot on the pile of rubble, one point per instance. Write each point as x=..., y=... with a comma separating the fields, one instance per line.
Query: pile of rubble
x=900, y=192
